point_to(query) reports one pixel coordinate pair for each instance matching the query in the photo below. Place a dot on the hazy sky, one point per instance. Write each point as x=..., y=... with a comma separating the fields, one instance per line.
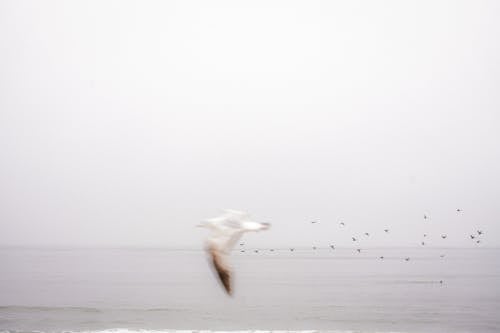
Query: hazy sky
x=126, y=123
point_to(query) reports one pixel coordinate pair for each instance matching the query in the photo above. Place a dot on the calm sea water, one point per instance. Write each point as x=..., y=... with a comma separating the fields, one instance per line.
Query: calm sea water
x=55, y=290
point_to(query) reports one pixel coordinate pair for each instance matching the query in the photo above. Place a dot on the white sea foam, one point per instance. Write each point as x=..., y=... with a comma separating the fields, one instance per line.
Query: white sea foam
x=126, y=330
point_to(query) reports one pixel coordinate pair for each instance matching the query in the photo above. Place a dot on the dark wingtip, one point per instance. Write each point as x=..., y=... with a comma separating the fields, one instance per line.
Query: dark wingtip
x=222, y=272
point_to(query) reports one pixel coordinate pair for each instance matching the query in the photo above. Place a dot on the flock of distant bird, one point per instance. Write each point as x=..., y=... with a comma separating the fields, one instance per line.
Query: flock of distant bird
x=475, y=237
x=228, y=229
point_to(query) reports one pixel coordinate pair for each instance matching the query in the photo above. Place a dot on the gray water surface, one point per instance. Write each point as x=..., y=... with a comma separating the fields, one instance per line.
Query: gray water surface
x=53, y=290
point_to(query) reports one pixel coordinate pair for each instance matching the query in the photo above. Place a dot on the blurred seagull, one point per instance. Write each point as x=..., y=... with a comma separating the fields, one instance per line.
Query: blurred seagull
x=227, y=229
x=342, y=224
x=459, y=210
x=367, y=234
x=479, y=232
x=333, y=247
x=353, y=239
x=472, y=236
x=386, y=230
x=443, y=236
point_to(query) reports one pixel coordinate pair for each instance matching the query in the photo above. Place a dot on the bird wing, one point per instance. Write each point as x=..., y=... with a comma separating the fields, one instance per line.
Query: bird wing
x=220, y=265
x=235, y=214
x=232, y=240
x=225, y=234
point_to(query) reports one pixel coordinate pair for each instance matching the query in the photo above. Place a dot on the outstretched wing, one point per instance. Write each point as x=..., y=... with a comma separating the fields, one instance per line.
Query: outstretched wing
x=235, y=214
x=226, y=231
x=221, y=267
x=226, y=235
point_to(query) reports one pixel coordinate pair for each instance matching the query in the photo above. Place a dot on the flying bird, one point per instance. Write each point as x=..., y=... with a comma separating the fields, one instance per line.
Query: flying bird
x=459, y=210
x=367, y=234
x=443, y=236
x=407, y=259
x=333, y=247
x=226, y=230
x=359, y=250
x=386, y=230
x=479, y=232
x=472, y=236
x=342, y=224
x=353, y=239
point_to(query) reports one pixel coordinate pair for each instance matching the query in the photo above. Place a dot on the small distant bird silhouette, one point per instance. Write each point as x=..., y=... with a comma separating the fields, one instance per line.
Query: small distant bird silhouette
x=256, y=251
x=443, y=236
x=407, y=259
x=472, y=236
x=479, y=232
x=478, y=241
x=381, y=257
x=442, y=255
x=425, y=235
x=242, y=250
x=423, y=243
x=367, y=234
x=459, y=210
x=314, y=221
x=314, y=247
x=441, y=281
x=272, y=250
x=353, y=239
x=333, y=247
x=241, y=244
x=359, y=250
x=425, y=217
x=342, y=224
x=386, y=230
x=292, y=249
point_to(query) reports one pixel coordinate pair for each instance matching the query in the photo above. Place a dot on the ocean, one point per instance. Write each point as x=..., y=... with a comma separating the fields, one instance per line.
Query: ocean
x=127, y=290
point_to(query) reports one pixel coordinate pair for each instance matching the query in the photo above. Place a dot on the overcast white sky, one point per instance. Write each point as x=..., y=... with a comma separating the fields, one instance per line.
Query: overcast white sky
x=125, y=123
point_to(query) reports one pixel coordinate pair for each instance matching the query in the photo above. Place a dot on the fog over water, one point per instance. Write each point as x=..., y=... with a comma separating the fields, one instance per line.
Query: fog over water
x=132, y=290
x=124, y=123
